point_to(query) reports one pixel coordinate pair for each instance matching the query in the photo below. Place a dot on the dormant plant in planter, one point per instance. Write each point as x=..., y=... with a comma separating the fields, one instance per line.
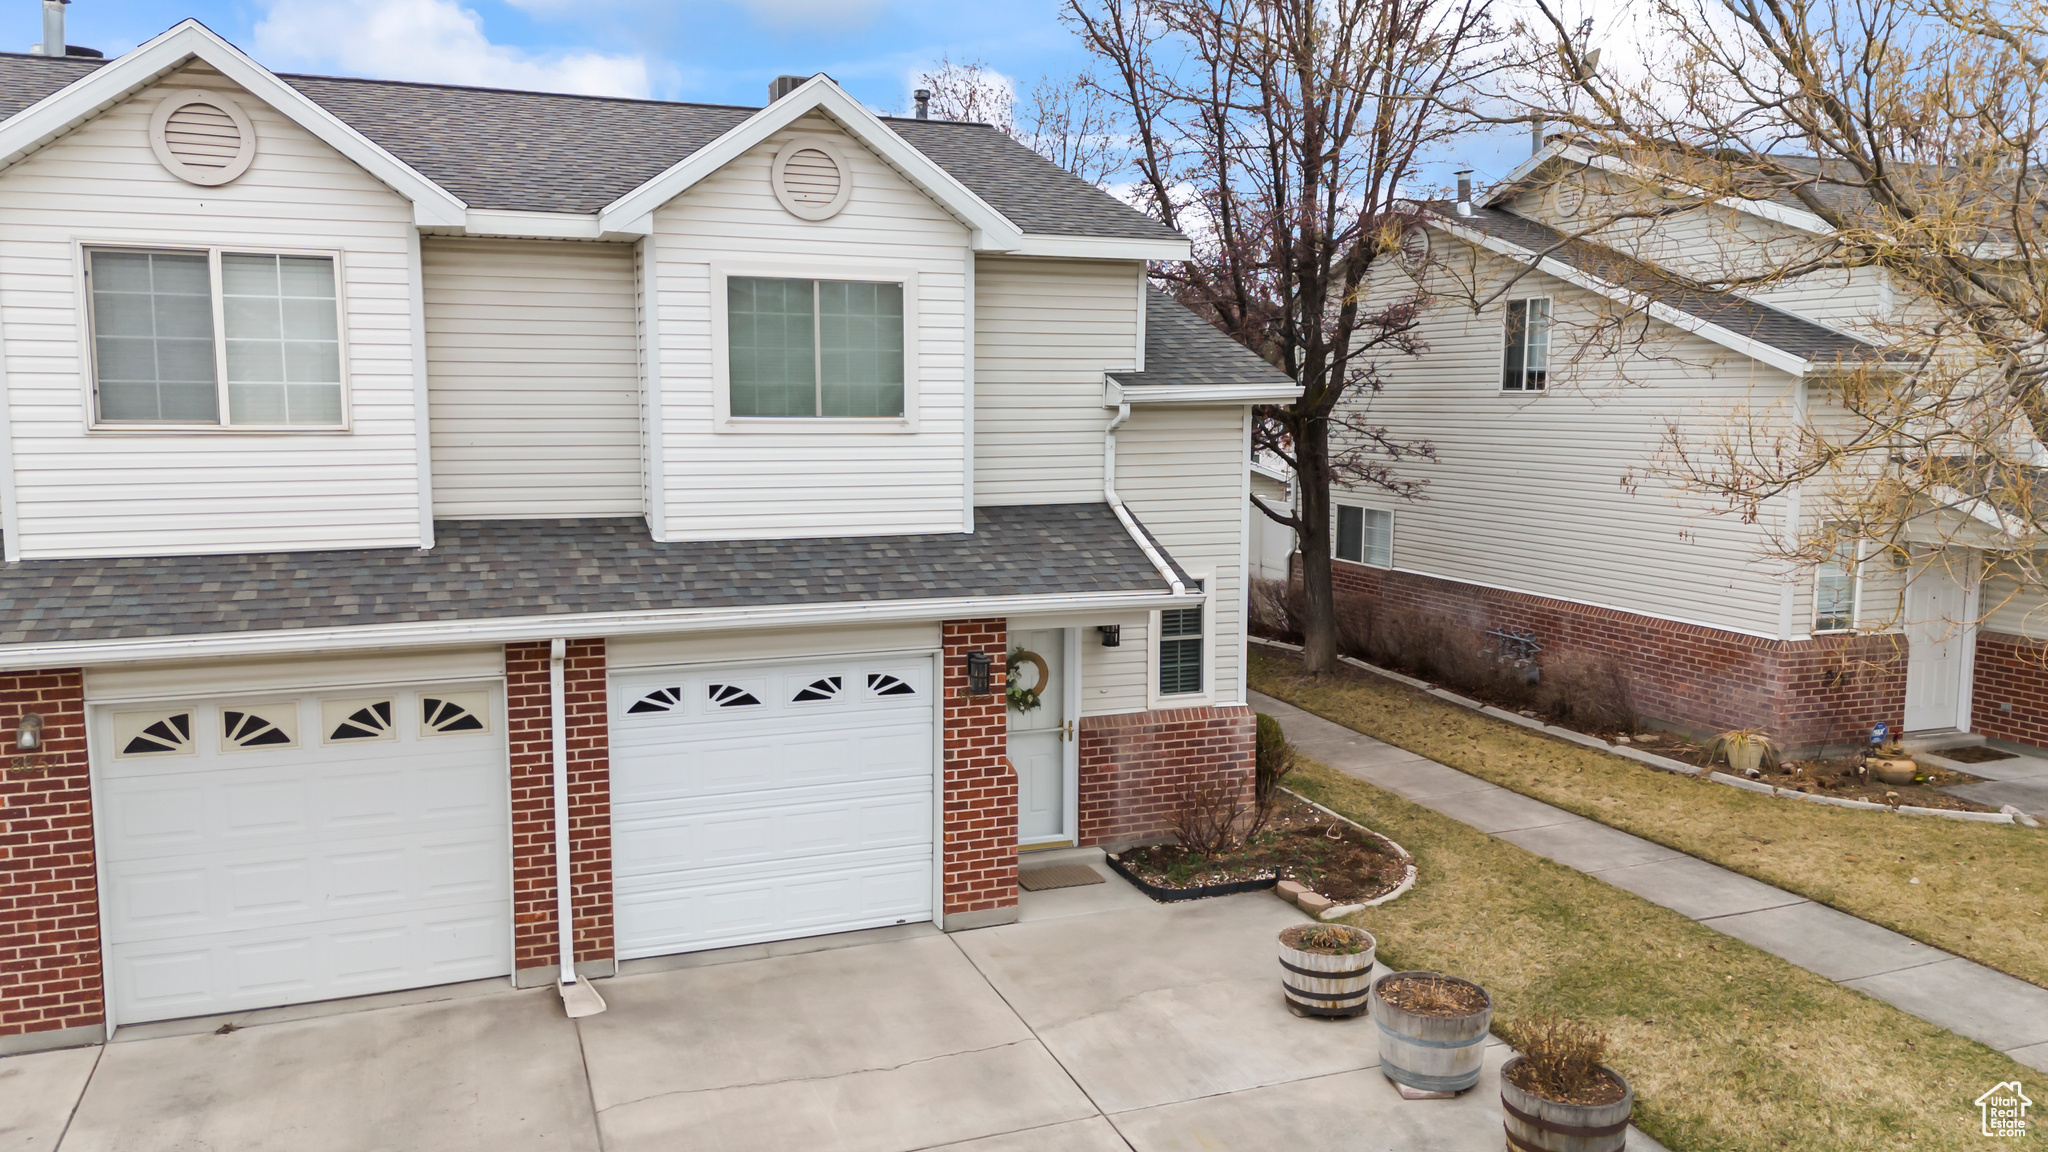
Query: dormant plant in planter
x=1747, y=751
x=1557, y=1096
x=1326, y=969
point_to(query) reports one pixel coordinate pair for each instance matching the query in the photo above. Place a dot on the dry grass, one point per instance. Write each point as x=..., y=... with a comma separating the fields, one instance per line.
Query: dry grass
x=1728, y=1047
x=1980, y=885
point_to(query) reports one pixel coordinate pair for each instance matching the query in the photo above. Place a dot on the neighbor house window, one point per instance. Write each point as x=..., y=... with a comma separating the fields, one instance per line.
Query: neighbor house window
x=214, y=338
x=1180, y=651
x=1834, y=589
x=1527, y=365
x=1365, y=535
x=815, y=347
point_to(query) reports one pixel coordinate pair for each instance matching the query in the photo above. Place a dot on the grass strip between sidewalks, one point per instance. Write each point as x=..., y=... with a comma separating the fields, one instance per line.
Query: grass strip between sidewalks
x=1982, y=889
x=1728, y=1047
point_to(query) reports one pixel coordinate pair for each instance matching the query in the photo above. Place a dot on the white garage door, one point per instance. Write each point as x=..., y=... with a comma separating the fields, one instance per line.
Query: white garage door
x=767, y=802
x=273, y=850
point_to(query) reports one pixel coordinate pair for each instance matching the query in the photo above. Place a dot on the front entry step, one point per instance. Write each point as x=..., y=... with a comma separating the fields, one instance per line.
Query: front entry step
x=1935, y=739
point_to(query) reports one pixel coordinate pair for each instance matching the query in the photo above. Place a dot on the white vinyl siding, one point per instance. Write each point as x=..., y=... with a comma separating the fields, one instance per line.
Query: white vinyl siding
x=1557, y=494
x=131, y=493
x=533, y=378
x=1045, y=332
x=810, y=481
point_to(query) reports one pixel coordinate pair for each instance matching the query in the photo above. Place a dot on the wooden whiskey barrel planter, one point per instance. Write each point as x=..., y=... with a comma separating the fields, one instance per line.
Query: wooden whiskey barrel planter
x=1431, y=1053
x=1334, y=986
x=1538, y=1125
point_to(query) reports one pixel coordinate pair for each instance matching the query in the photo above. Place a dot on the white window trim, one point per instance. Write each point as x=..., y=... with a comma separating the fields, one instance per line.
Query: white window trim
x=1154, y=698
x=1855, y=598
x=1500, y=360
x=88, y=359
x=1361, y=561
x=721, y=346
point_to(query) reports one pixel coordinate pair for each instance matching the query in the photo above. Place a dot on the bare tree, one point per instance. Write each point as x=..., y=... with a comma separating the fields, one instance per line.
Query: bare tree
x=1064, y=119
x=1279, y=135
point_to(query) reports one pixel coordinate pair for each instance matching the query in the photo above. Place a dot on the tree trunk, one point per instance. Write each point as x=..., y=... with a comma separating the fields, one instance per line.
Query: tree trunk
x=1318, y=598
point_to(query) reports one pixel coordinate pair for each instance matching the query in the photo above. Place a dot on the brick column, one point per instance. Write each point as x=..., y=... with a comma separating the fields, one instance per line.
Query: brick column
x=980, y=787
x=529, y=737
x=50, y=980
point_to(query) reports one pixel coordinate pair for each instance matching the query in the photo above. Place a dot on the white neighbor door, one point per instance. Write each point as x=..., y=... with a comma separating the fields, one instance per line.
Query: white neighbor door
x=769, y=801
x=266, y=849
x=1042, y=741
x=1941, y=644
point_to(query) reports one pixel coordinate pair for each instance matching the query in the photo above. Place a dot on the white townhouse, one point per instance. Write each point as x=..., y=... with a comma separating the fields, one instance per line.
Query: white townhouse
x=408, y=489
x=1563, y=336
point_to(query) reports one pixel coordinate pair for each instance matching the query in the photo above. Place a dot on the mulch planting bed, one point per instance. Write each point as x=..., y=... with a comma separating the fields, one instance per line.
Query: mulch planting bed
x=1432, y=996
x=1301, y=844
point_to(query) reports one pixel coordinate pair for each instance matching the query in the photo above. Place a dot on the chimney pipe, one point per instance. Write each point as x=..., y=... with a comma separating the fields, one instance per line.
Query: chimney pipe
x=1536, y=136
x=53, y=28
x=783, y=85
x=924, y=103
x=1465, y=192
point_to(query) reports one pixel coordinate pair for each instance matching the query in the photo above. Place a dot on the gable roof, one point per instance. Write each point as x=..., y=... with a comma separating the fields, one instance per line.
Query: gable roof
x=499, y=149
x=1188, y=358
x=1776, y=337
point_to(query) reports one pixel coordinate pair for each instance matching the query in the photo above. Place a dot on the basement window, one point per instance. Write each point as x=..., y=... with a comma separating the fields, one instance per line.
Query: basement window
x=1526, y=363
x=208, y=338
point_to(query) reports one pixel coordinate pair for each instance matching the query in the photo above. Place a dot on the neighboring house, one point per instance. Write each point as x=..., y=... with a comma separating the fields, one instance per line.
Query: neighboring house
x=348, y=424
x=1546, y=514
x=1272, y=542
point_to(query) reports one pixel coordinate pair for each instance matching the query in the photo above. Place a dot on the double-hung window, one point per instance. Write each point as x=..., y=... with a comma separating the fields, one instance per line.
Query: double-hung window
x=1365, y=535
x=1834, y=588
x=814, y=348
x=1180, y=651
x=216, y=338
x=1526, y=366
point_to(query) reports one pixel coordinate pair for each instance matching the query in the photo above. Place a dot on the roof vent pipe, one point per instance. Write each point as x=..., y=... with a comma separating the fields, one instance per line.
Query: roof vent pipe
x=53, y=28
x=783, y=85
x=1465, y=192
x=1536, y=136
x=924, y=103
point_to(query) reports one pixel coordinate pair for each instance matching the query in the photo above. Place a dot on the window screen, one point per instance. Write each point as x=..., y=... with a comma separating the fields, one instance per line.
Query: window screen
x=283, y=346
x=152, y=331
x=1527, y=363
x=1180, y=651
x=815, y=347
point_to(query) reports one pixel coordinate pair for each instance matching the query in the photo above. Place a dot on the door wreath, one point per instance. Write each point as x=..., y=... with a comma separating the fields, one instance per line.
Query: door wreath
x=1021, y=698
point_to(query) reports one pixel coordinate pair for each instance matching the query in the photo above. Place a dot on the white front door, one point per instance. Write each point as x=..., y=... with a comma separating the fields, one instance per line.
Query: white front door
x=1940, y=643
x=769, y=801
x=1042, y=739
x=263, y=850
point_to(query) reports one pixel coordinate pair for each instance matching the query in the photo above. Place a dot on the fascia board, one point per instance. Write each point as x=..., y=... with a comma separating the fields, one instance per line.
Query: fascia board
x=1763, y=209
x=1550, y=266
x=523, y=629
x=993, y=231
x=85, y=97
x=1211, y=393
x=1104, y=248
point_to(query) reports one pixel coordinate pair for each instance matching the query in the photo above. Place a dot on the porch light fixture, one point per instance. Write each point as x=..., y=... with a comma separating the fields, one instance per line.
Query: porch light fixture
x=1112, y=634
x=978, y=668
x=28, y=732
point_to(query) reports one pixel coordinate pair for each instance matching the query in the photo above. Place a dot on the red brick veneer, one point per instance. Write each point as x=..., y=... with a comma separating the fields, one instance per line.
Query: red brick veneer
x=1827, y=690
x=49, y=894
x=530, y=740
x=2011, y=670
x=1136, y=766
x=980, y=787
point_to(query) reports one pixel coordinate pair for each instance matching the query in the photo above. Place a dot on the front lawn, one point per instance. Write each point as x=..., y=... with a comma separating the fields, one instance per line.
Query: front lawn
x=1981, y=890
x=1728, y=1047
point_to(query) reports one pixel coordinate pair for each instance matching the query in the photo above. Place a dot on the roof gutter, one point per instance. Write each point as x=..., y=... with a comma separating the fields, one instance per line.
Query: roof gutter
x=1212, y=393
x=1116, y=504
x=530, y=629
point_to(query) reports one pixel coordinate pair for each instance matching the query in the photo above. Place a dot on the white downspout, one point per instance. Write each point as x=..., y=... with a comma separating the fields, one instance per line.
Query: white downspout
x=578, y=998
x=1116, y=504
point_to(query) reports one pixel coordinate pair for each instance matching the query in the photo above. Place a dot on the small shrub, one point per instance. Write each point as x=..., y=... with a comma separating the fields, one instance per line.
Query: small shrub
x=1449, y=654
x=1273, y=758
x=1562, y=1057
x=1276, y=610
x=1589, y=692
x=1210, y=810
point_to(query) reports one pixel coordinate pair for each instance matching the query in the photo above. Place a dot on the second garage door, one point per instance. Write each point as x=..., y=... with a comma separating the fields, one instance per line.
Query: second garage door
x=765, y=802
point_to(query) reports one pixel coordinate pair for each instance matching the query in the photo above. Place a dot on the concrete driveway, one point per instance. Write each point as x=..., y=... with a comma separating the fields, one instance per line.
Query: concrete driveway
x=1099, y=1021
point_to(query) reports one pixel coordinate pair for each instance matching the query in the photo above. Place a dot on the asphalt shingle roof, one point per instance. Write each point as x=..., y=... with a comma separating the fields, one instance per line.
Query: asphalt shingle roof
x=1184, y=350
x=495, y=569
x=1760, y=322
x=548, y=152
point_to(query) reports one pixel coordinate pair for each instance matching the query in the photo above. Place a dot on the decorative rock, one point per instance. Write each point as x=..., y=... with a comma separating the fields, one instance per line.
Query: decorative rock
x=1290, y=891
x=1313, y=903
x=1408, y=1093
x=2019, y=817
x=1341, y=910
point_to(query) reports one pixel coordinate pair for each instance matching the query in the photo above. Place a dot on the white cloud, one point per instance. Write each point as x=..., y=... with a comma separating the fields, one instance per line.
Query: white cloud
x=814, y=15
x=431, y=40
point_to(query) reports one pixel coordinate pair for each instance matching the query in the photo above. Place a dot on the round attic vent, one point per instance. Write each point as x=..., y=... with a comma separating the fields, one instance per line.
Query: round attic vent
x=1414, y=251
x=811, y=178
x=202, y=137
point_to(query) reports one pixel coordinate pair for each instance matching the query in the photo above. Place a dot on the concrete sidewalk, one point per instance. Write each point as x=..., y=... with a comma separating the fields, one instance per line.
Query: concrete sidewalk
x=1960, y=995
x=2021, y=781
x=1099, y=1022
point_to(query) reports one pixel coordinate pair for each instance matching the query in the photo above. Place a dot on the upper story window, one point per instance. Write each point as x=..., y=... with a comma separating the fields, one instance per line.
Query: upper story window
x=1365, y=535
x=190, y=338
x=815, y=348
x=1526, y=366
x=1835, y=587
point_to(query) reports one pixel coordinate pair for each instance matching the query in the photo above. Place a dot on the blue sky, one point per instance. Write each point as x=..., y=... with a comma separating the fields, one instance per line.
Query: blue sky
x=721, y=51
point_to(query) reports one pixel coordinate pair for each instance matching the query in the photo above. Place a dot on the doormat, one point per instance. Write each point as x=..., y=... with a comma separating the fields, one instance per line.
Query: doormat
x=1057, y=876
